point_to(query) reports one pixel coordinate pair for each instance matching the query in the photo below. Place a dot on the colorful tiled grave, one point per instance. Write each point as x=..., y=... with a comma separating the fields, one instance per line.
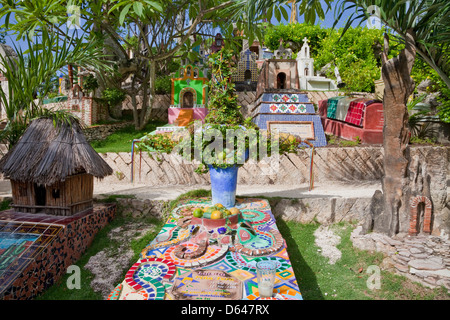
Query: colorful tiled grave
x=178, y=264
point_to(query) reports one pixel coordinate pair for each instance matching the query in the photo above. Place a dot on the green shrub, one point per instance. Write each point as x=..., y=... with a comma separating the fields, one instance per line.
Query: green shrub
x=90, y=83
x=354, y=54
x=163, y=85
x=113, y=96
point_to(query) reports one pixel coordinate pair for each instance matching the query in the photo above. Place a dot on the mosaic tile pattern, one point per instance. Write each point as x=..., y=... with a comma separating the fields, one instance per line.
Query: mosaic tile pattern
x=228, y=259
x=294, y=107
x=288, y=108
x=247, y=62
x=320, y=138
x=36, y=249
x=283, y=98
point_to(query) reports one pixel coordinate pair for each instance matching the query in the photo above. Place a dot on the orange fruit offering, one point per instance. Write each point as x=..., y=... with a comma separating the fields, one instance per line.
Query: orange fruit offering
x=198, y=213
x=234, y=211
x=216, y=215
x=219, y=205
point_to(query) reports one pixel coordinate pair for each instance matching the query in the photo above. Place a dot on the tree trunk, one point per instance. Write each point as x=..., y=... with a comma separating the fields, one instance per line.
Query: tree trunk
x=396, y=180
x=148, y=98
x=135, y=111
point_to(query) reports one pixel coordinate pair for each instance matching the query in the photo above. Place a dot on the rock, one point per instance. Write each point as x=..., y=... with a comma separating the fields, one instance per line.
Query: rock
x=433, y=263
x=430, y=280
x=327, y=241
x=415, y=250
x=401, y=268
x=419, y=256
x=444, y=282
x=404, y=253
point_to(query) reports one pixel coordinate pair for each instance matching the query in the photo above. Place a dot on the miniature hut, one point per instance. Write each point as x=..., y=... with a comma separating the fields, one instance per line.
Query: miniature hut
x=52, y=169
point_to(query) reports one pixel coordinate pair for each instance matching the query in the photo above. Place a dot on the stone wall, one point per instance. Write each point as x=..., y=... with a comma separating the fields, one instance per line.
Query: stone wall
x=330, y=164
x=425, y=259
x=101, y=132
x=160, y=108
x=341, y=164
x=357, y=165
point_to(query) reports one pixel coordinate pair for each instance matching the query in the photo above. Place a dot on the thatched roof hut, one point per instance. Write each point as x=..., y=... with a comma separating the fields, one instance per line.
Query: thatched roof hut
x=52, y=168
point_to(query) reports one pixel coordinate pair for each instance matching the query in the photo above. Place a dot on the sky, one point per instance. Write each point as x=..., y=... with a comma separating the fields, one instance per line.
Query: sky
x=328, y=23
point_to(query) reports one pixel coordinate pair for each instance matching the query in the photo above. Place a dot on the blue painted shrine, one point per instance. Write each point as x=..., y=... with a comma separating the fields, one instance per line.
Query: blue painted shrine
x=280, y=103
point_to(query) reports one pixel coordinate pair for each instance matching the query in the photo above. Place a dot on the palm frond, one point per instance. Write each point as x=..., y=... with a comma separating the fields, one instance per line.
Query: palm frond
x=427, y=18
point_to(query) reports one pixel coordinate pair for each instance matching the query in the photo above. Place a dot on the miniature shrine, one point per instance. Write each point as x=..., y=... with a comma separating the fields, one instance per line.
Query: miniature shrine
x=307, y=79
x=53, y=218
x=189, y=96
x=217, y=44
x=246, y=76
x=52, y=169
x=281, y=105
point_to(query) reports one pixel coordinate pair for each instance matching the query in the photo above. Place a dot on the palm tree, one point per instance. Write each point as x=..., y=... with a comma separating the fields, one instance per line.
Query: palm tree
x=423, y=27
x=32, y=70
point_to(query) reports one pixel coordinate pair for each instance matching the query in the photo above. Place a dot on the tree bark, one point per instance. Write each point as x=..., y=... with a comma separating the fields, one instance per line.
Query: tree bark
x=395, y=183
x=148, y=98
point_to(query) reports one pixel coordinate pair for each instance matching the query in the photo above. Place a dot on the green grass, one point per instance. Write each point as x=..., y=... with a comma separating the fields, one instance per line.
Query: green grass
x=347, y=278
x=121, y=140
x=5, y=205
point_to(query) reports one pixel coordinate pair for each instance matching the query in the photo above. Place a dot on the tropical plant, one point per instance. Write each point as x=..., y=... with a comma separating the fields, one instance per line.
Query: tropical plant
x=425, y=20
x=32, y=70
x=222, y=99
x=293, y=34
x=419, y=113
x=163, y=85
x=90, y=84
x=113, y=96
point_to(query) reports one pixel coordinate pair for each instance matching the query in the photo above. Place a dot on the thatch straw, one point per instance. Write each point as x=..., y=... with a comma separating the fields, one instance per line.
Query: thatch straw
x=46, y=154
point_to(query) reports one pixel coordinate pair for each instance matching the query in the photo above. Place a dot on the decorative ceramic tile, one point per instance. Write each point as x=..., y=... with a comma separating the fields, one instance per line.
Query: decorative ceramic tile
x=288, y=108
x=237, y=260
x=36, y=249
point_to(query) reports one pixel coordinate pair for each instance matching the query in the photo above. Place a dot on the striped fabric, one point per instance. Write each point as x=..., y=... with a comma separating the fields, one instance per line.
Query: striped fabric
x=332, y=106
x=355, y=114
x=342, y=108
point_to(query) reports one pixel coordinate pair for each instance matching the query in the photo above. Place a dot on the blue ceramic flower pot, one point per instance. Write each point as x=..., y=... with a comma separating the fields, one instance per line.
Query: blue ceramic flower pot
x=223, y=185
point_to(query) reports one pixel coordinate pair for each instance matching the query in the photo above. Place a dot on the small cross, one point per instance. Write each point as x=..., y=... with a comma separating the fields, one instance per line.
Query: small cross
x=305, y=40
